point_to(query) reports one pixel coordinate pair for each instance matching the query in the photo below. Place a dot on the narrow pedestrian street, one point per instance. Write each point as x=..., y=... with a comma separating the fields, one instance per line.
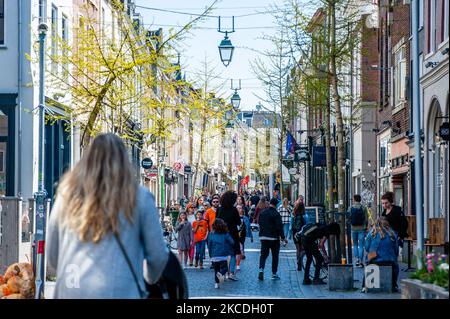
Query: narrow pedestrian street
x=201, y=282
x=130, y=126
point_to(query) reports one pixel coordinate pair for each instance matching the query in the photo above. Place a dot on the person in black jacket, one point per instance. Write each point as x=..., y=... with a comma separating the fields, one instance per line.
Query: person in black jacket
x=270, y=232
x=230, y=215
x=393, y=214
x=309, y=241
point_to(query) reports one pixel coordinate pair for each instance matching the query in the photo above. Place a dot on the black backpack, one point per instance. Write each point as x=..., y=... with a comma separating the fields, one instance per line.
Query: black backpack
x=357, y=216
x=307, y=229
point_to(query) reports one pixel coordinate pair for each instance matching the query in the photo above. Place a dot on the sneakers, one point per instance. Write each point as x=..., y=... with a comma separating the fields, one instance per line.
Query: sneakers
x=238, y=267
x=196, y=264
x=307, y=282
x=220, y=277
x=318, y=282
x=275, y=277
x=226, y=276
x=201, y=265
x=261, y=274
x=216, y=286
x=191, y=265
x=232, y=277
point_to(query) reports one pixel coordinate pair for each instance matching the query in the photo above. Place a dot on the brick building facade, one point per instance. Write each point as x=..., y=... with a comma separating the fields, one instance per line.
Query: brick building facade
x=393, y=118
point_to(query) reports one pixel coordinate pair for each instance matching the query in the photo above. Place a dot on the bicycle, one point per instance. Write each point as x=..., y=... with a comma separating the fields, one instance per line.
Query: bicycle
x=170, y=235
x=323, y=270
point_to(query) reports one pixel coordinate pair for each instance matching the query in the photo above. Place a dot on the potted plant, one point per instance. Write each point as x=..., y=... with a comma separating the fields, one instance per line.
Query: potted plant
x=430, y=282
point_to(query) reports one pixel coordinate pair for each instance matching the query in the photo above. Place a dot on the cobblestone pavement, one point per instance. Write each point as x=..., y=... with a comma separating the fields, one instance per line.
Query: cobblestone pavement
x=201, y=282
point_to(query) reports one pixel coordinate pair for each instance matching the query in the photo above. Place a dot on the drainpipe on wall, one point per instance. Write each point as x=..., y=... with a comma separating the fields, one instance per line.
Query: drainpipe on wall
x=416, y=127
x=19, y=99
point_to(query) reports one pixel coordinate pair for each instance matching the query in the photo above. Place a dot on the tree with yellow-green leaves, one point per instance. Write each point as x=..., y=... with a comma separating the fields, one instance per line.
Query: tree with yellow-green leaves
x=208, y=110
x=115, y=80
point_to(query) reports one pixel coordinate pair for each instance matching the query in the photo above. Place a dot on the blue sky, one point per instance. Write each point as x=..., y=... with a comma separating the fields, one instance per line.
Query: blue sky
x=205, y=41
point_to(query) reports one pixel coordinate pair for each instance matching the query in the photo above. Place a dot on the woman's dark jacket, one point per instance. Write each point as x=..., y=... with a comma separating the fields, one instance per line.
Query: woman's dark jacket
x=231, y=217
x=395, y=219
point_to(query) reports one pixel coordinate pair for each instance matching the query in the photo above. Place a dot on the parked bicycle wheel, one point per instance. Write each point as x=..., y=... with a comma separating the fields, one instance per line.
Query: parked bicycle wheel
x=323, y=271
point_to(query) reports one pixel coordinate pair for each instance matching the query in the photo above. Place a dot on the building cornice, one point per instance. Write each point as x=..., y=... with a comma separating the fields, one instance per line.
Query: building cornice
x=435, y=75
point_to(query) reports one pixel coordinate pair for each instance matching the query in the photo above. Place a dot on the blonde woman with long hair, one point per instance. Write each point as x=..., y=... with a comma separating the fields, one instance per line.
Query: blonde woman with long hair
x=97, y=200
x=381, y=245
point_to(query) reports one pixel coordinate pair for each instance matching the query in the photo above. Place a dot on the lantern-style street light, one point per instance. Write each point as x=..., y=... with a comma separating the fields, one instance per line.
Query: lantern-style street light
x=226, y=49
x=235, y=99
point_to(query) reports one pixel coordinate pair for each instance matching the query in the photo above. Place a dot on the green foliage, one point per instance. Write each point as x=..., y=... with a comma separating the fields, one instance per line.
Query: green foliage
x=433, y=272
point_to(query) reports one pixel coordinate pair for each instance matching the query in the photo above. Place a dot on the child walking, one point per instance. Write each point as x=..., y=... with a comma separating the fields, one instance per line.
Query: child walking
x=185, y=238
x=245, y=231
x=220, y=246
x=200, y=227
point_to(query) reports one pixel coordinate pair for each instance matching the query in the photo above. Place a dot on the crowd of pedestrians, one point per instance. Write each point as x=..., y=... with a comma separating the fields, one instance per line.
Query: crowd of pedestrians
x=100, y=209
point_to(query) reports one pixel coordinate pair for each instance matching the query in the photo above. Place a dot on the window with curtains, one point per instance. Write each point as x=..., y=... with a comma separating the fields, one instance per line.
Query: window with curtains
x=399, y=75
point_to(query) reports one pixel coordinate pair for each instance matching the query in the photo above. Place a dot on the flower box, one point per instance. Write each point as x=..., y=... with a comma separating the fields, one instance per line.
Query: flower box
x=416, y=289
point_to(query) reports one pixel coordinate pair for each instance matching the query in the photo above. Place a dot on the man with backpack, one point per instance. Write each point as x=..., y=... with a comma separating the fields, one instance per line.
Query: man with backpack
x=359, y=220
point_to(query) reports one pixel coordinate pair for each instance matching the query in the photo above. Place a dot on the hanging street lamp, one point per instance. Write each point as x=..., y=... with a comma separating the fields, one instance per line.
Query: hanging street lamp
x=235, y=100
x=226, y=48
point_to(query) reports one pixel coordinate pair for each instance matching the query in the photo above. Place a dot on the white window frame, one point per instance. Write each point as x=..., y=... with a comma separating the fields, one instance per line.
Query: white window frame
x=65, y=38
x=399, y=76
x=432, y=26
x=42, y=9
x=54, y=36
x=421, y=16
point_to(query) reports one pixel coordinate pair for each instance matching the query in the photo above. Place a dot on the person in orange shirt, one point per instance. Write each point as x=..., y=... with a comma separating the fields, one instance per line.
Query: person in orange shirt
x=200, y=228
x=210, y=214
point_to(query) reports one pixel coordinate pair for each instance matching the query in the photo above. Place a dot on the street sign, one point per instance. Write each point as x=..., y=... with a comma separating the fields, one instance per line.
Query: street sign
x=147, y=163
x=187, y=169
x=151, y=172
x=444, y=131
